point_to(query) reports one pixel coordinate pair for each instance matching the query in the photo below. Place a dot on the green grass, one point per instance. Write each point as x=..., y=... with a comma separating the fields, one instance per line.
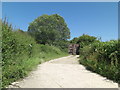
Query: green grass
x=12, y=73
x=21, y=54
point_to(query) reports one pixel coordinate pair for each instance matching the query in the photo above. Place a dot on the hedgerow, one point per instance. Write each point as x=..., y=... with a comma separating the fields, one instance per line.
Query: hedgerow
x=103, y=58
x=21, y=53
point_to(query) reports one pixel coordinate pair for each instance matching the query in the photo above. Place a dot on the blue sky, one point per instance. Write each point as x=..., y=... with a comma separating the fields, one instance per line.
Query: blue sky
x=98, y=19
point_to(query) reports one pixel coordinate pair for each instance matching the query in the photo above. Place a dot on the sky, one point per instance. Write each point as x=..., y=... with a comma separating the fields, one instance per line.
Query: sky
x=98, y=19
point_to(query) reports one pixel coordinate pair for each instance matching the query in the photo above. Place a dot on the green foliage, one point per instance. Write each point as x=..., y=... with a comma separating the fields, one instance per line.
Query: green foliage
x=84, y=40
x=48, y=29
x=100, y=57
x=63, y=45
x=108, y=51
x=103, y=58
x=21, y=54
x=74, y=40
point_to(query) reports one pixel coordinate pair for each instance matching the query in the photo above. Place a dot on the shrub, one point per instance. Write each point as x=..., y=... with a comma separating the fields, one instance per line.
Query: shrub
x=102, y=58
x=20, y=54
x=16, y=48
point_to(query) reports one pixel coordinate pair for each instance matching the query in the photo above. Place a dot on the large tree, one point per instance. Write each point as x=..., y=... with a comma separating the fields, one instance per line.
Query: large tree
x=48, y=29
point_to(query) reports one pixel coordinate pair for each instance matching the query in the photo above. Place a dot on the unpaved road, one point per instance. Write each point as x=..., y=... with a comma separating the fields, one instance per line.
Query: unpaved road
x=64, y=72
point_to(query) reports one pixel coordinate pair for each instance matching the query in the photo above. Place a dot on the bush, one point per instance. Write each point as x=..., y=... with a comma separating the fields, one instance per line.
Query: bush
x=16, y=48
x=21, y=54
x=103, y=58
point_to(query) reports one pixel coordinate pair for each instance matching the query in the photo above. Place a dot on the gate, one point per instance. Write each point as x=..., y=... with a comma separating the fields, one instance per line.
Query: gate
x=73, y=49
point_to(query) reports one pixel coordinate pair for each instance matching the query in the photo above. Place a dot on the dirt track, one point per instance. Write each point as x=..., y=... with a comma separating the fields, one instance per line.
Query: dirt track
x=64, y=72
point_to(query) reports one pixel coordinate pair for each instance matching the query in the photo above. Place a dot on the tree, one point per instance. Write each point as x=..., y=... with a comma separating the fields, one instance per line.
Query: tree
x=48, y=29
x=74, y=40
x=84, y=40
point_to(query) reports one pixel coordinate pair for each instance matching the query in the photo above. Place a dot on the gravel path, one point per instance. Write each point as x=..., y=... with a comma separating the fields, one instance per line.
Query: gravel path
x=64, y=72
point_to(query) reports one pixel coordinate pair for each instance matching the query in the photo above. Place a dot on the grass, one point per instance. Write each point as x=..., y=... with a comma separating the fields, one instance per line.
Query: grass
x=21, y=53
x=18, y=71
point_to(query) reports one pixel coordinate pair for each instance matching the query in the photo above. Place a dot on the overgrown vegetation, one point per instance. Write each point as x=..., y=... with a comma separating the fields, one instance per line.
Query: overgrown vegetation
x=21, y=53
x=84, y=40
x=100, y=57
x=46, y=39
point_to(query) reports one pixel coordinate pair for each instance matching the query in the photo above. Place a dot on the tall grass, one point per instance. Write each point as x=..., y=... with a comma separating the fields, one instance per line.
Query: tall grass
x=21, y=53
